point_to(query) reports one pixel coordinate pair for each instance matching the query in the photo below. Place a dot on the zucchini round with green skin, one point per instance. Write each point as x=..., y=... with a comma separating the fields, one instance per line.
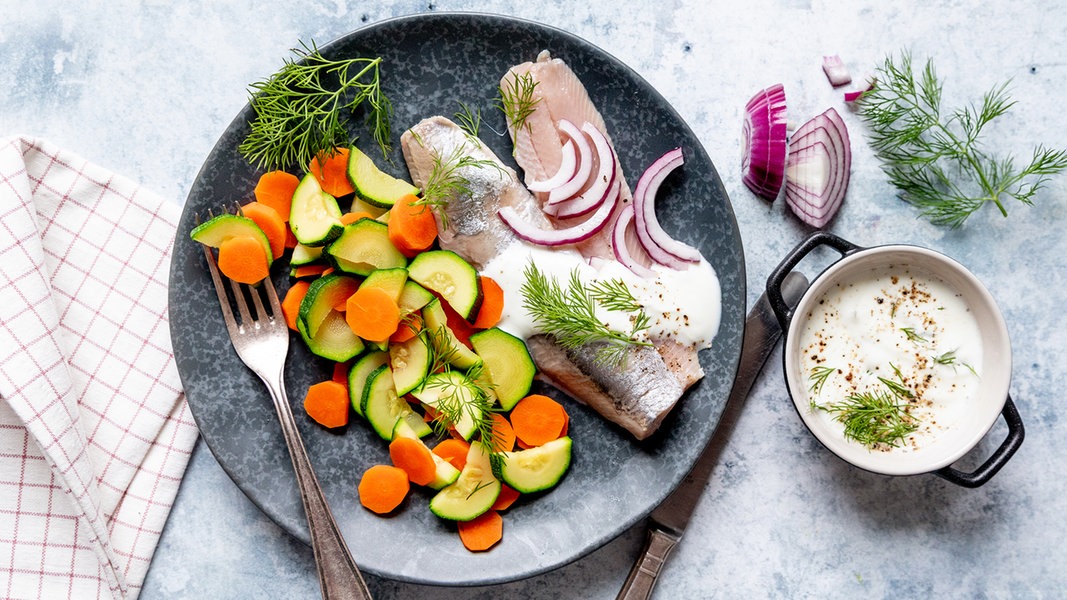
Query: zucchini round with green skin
x=535, y=469
x=322, y=296
x=508, y=364
x=446, y=273
x=381, y=406
x=304, y=255
x=314, y=216
x=359, y=373
x=410, y=361
x=333, y=339
x=390, y=280
x=364, y=246
x=372, y=184
x=473, y=493
x=444, y=339
x=218, y=229
x=455, y=397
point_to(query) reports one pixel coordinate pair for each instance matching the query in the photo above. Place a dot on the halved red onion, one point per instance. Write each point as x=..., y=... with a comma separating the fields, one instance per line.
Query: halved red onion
x=661, y=247
x=606, y=180
x=558, y=237
x=568, y=164
x=580, y=177
x=625, y=229
x=818, y=168
x=835, y=70
x=857, y=94
x=764, y=136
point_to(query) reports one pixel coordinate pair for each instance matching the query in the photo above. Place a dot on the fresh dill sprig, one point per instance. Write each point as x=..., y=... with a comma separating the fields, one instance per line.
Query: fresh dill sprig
x=299, y=111
x=913, y=335
x=569, y=315
x=879, y=417
x=949, y=358
x=447, y=181
x=463, y=398
x=935, y=156
x=516, y=100
x=818, y=378
x=468, y=120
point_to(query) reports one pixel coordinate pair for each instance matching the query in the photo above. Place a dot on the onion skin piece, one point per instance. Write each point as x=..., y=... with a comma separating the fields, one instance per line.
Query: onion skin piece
x=823, y=137
x=764, y=134
x=660, y=246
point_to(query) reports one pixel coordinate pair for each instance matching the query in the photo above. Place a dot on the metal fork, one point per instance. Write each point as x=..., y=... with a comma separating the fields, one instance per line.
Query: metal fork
x=262, y=343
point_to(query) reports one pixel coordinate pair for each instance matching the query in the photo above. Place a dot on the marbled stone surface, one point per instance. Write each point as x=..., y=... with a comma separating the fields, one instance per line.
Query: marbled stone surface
x=145, y=88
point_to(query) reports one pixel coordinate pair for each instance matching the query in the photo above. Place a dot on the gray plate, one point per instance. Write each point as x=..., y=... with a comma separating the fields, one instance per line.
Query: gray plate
x=433, y=62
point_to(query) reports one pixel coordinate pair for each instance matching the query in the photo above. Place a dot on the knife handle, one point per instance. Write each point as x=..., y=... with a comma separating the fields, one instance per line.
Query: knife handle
x=645, y=572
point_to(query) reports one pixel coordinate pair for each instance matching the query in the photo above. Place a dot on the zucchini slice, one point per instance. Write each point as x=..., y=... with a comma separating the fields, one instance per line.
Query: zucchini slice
x=323, y=295
x=391, y=280
x=535, y=469
x=314, y=215
x=508, y=364
x=372, y=185
x=359, y=373
x=333, y=339
x=446, y=473
x=455, y=397
x=444, y=340
x=446, y=273
x=410, y=361
x=382, y=407
x=364, y=246
x=223, y=227
x=474, y=491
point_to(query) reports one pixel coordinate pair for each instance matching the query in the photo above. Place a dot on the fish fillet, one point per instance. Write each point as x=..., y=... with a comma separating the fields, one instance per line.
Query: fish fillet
x=638, y=397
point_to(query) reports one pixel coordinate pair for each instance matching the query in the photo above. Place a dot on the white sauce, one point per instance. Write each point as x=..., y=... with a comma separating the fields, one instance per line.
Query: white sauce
x=684, y=306
x=861, y=328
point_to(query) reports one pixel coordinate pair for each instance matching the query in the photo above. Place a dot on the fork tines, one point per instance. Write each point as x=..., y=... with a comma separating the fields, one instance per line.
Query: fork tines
x=240, y=295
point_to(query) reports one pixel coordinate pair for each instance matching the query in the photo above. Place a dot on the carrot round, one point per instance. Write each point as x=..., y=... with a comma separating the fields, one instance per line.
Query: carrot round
x=331, y=169
x=492, y=304
x=327, y=403
x=414, y=458
x=243, y=259
x=372, y=314
x=275, y=189
x=410, y=326
x=340, y=372
x=382, y=488
x=351, y=217
x=271, y=223
x=481, y=532
x=453, y=450
x=503, y=434
x=508, y=496
x=292, y=300
x=308, y=271
x=412, y=227
x=538, y=419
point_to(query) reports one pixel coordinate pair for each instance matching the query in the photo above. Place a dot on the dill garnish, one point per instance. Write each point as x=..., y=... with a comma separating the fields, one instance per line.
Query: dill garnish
x=516, y=100
x=469, y=121
x=298, y=110
x=879, y=417
x=912, y=335
x=818, y=378
x=935, y=156
x=446, y=180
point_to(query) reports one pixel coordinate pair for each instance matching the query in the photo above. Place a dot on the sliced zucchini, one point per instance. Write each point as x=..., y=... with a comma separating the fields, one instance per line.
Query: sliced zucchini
x=444, y=340
x=535, y=469
x=373, y=185
x=410, y=361
x=508, y=364
x=411, y=424
x=223, y=227
x=446, y=273
x=305, y=255
x=323, y=295
x=381, y=406
x=413, y=297
x=456, y=398
x=333, y=339
x=358, y=374
x=391, y=280
x=360, y=205
x=473, y=493
x=364, y=246
x=314, y=216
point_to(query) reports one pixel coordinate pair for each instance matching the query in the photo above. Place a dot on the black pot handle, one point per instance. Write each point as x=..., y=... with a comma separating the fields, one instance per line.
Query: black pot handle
x=774, y=283
x=999, y=458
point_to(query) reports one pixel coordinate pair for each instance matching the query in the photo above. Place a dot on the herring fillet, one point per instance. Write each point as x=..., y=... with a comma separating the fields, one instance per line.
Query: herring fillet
x=637, y=398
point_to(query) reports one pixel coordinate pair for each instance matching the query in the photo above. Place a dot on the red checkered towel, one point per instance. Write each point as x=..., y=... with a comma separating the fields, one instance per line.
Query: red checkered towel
x=95, y=433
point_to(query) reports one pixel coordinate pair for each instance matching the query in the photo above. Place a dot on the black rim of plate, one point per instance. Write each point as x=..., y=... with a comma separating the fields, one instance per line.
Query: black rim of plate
x=432, y=62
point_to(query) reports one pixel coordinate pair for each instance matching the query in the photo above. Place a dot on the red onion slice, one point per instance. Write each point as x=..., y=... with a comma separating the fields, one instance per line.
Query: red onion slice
x=568, y=164
x=764, y=135
x=624, y=229
x=835, y=70
x=605, y=183
x=661, y=247
x=558, y=237
x=572, y=186
x=818, y=169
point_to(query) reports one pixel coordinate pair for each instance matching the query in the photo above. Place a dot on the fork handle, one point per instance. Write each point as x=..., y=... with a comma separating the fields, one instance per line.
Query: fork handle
x=339, y=577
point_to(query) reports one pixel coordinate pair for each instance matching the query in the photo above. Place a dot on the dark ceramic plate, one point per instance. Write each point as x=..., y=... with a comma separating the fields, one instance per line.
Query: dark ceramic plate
x=432, y=63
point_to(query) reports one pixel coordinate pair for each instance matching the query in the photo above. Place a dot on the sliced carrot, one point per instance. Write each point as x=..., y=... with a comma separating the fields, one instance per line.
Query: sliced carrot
x=414, y=457
x=327, y=403
x=372, y=314
x=412, y=227
x=340, y=373
x=275, y=189
x=482, y=532
x=453, y=450
x=492, y=304
x=382, y=488
x=503, y=434
x=332, y=172
x=410, y=326
x=351, y=217
x=538, y=419
x=308, y=271
x=290, y=238
x=270, y=222
x=243, y=259
x=291, y=303
x=508, y=496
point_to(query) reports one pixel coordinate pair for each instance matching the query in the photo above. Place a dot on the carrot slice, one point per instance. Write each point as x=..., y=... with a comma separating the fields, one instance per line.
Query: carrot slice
x=482, y=532
x=492, y=304
x=275, y=189
x=332, y=172
x=382, y=488
x=351, y=217
x=459, y=326
x=327, y=403
x=290, y=239
x=412, y=227
x=305, y=271
x=372, y=314
x=340, y=373
x=453, y=450
x=508, y=496
x=271, y=223
x=414, y=458
x=243, y=259
x=503, y=434
x=291, y=303
x=538, y=419
x=410, y=326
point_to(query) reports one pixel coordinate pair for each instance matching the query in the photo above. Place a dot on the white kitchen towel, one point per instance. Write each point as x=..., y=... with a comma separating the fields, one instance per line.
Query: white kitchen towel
x=95, y=432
